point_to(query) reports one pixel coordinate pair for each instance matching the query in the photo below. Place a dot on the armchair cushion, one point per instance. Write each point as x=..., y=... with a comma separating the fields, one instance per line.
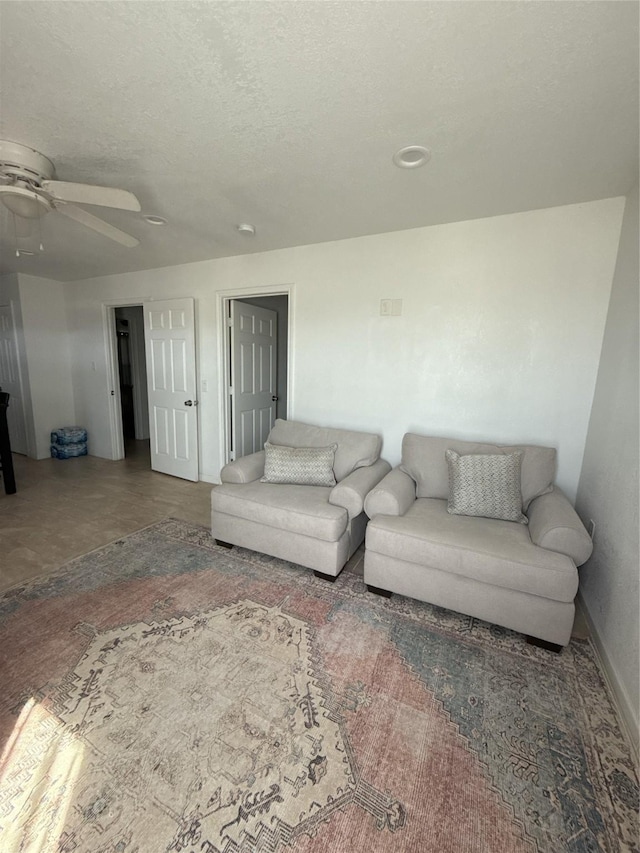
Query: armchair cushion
x=302, y=466
x=355, y=449
x=498, y=553
x=296, y=509
x=423, y=458
x=554, y=524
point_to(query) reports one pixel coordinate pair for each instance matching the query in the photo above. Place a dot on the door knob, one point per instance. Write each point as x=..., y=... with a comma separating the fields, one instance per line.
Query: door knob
x=191, y=402
x=274, y=397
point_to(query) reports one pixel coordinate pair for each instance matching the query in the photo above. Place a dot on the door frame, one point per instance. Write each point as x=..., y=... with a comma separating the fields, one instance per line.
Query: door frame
x=223, y=297
x=25, y=392
x=113, y=371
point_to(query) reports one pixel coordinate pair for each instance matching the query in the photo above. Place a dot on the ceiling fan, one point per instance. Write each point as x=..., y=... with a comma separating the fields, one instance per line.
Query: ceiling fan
x=29, y=190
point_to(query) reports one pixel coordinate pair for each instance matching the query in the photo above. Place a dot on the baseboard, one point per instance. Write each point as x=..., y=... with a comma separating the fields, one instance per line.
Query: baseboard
x=209, y=478
x=628, y=723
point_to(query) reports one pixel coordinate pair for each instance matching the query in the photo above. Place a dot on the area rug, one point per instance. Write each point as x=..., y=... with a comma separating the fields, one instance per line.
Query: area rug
x=165, y=694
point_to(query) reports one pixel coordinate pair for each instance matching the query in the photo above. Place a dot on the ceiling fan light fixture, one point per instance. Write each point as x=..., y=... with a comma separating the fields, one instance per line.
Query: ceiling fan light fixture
x=23, y=202
x=151, y=219
x=412, y=156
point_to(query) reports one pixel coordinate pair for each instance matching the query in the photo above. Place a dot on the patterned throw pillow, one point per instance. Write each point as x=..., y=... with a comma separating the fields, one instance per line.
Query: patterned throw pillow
x=300, y=466
x=486, y=485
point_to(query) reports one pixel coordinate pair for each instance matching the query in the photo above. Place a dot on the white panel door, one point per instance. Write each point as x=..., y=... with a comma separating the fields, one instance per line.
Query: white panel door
x=169, y=332
x=253, y=376
x=10, y=380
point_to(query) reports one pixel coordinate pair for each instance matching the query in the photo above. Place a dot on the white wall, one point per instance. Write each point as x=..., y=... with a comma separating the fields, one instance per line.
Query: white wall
x=46, y=339
x=608, y=491
x=499, y=338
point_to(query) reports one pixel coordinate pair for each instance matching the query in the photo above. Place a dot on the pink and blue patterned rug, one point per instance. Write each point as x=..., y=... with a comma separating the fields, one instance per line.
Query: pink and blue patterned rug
x=164, y=694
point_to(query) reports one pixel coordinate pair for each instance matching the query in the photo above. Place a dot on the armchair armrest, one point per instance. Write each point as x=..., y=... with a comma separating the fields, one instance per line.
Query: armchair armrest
x=554, y=524
x=351, y=492
x=392, y=496
x=244, y=470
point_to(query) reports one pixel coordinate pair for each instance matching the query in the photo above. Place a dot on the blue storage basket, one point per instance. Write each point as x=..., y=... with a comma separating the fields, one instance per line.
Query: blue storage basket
x=69, y=435
x=66, y=451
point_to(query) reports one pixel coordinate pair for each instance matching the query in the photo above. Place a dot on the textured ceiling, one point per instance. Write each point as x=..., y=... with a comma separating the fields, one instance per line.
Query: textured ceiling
x=286, y=115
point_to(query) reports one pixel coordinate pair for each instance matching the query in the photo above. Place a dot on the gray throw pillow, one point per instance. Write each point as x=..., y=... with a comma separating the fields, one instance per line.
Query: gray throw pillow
x=486, y=485
x=299, y=466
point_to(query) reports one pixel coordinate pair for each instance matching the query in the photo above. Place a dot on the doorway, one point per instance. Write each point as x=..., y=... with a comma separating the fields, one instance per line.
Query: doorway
x=132, y=383
x=159, y=341
x=256, y=348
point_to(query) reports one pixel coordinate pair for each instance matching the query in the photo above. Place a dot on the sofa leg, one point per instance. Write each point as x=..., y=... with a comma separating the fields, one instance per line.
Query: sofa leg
x=544, y=644
x=324, y=577
x=223, y=544
x=385, y=593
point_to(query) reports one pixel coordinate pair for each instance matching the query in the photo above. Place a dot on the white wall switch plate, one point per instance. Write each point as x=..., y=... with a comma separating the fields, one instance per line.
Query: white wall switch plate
x=390, y=307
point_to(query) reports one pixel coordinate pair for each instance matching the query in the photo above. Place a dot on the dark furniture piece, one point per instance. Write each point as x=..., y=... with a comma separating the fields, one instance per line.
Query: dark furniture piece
x=6, y=459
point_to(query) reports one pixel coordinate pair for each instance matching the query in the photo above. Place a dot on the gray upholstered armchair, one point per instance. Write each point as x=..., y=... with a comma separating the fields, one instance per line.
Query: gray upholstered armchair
x=518, y=570
x=311, y=510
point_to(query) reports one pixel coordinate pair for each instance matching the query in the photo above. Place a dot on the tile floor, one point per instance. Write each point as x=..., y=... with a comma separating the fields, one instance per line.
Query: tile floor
x=64, y=508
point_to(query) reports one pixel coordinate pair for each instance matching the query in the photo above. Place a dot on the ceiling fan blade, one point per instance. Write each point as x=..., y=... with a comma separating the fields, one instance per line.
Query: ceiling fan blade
x=99, y=225
x=89, y=194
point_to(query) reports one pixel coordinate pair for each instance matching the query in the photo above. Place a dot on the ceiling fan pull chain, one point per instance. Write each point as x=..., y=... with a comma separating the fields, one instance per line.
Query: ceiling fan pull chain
x=15, y=234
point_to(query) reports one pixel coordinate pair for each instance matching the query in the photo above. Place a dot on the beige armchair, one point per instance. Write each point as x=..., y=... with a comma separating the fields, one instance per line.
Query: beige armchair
x=316, y=526
x=518, y=574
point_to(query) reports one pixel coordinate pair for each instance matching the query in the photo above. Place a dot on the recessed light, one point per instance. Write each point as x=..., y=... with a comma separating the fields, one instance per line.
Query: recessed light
x=246, y=229
x=412, y=156
x=154, y=220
